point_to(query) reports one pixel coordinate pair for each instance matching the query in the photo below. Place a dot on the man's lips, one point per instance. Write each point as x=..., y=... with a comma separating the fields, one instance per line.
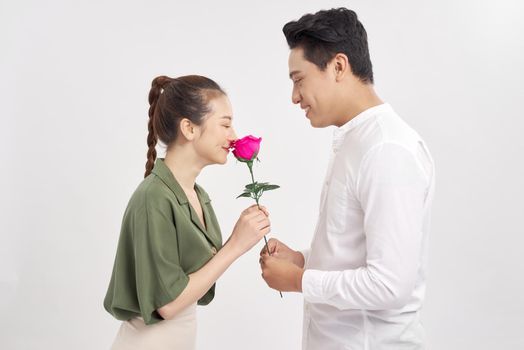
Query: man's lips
x=306, y=109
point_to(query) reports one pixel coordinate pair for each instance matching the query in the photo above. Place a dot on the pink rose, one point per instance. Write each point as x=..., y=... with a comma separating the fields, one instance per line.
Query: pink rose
x=246, y=149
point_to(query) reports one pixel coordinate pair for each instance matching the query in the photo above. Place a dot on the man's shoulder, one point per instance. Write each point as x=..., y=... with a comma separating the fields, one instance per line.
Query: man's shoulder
x=388, y=128
x=385, y=128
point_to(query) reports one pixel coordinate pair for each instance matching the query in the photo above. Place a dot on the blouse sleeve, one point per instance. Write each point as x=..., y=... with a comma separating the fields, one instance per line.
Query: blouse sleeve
x=159, y=277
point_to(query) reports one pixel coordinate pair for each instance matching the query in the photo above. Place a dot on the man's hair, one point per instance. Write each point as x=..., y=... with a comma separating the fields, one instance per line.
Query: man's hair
x=324, y=34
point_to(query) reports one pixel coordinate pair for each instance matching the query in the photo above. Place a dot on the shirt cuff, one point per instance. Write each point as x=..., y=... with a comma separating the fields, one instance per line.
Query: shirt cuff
x=305, y=254
x=312, y=286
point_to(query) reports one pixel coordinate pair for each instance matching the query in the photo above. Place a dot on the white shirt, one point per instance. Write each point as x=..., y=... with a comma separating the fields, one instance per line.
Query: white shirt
x=365, y=272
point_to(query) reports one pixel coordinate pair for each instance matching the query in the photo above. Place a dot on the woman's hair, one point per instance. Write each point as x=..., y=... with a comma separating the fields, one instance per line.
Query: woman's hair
x=171, y=100
x=324, y=34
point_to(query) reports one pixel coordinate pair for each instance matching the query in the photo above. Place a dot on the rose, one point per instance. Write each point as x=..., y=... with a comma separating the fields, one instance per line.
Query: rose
x=246, y=149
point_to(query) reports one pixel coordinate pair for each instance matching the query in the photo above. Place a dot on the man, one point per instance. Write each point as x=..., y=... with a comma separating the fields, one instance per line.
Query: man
x=363, y=279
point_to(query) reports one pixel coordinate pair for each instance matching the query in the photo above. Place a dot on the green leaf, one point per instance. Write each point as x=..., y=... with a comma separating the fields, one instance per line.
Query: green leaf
x=245, y=194
x=270, y=187
x=252, y=186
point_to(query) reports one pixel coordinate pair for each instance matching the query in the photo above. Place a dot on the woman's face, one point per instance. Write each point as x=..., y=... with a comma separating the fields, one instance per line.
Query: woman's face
x=216, y=133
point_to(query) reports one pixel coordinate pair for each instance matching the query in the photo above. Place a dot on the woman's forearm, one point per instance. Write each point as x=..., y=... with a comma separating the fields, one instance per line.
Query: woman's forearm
x=200, y=281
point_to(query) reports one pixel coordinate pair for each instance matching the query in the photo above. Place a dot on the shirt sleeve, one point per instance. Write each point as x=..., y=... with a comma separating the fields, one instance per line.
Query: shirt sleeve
x=391, y=188
x=159, y=277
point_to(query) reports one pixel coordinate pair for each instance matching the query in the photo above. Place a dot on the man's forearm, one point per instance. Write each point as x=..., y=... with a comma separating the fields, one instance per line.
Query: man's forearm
x=299, y=259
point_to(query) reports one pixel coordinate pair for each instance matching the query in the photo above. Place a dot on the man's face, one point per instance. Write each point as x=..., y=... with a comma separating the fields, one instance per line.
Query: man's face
x=313, y=89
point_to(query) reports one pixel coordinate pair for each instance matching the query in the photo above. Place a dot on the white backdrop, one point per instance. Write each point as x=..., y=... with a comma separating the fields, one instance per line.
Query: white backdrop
x=74, y=82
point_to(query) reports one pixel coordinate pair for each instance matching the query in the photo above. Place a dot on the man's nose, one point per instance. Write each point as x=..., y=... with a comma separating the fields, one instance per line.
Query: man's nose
x=295, y=96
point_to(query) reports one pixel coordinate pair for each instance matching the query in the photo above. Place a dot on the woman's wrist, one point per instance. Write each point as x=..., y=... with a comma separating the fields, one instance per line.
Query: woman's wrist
x=232, y=249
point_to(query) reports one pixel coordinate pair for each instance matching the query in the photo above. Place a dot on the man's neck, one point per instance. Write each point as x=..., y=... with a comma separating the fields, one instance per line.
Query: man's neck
x=360, y=100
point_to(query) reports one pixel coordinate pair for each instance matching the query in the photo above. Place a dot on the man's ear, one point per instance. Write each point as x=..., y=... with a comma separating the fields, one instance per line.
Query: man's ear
x=341, y=66
x=187, y=129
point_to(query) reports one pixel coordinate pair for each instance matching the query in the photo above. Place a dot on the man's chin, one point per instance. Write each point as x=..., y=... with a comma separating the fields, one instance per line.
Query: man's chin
x=316, y=124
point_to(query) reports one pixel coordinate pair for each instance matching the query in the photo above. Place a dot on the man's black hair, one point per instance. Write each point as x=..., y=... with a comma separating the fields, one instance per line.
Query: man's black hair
x=324, y=34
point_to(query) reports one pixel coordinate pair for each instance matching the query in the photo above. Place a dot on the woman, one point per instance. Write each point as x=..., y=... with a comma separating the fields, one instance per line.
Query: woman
x=170, y=251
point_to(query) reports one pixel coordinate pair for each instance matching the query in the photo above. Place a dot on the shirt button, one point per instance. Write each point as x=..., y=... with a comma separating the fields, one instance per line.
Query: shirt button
x=213, y=250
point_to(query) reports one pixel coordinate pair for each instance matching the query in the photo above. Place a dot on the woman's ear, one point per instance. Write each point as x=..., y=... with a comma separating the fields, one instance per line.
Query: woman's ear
x=187, y=129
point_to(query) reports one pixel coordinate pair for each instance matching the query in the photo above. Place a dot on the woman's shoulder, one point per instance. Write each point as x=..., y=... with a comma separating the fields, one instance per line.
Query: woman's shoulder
x=151, y=192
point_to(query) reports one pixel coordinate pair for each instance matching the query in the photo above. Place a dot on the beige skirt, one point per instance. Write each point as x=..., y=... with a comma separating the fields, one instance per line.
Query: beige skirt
x=178, y=333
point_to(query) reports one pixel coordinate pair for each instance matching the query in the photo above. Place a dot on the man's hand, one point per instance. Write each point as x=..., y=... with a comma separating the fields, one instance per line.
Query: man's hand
x=282, y=251
x=281, y=274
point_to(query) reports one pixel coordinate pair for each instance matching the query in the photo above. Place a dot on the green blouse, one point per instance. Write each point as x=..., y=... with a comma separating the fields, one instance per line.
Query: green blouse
x=161, y=242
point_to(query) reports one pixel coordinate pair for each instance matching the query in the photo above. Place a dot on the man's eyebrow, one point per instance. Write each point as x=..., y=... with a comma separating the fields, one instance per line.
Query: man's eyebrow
x=227, y=117
x=293, y=73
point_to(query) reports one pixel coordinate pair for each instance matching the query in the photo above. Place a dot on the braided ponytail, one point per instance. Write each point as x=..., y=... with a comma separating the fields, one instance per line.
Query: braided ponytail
x=157, y=86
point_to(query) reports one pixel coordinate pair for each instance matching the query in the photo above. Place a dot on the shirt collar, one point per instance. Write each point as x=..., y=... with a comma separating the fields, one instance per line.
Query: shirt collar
x=339, y=133
x=162, y=171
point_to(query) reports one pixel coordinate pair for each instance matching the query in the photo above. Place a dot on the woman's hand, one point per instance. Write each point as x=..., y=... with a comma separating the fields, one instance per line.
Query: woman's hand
x=252, y=225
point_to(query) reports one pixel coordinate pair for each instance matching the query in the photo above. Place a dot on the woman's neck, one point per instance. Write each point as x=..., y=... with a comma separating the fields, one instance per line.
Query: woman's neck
x=184, y=166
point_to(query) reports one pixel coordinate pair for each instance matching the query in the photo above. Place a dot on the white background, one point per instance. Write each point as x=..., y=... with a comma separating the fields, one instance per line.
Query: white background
x=74, y=82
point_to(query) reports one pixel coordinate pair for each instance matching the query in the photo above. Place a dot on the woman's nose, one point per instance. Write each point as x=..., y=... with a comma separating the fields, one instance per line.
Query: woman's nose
x=232, y=135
